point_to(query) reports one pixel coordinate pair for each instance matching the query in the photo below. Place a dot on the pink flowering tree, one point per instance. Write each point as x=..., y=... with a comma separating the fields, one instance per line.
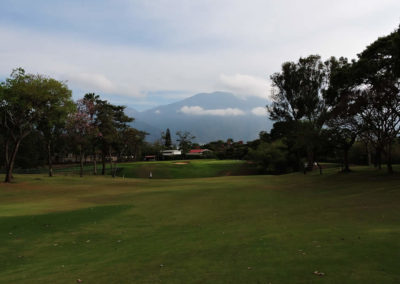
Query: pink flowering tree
x=81, y=128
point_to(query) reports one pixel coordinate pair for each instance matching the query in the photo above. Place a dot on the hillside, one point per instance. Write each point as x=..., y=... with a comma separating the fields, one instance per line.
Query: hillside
x=208, y=116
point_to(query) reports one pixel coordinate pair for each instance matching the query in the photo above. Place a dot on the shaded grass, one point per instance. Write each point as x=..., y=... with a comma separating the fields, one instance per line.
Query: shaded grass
x=242, y=229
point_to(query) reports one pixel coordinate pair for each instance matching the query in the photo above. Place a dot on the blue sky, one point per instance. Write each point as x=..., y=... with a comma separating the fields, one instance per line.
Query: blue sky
x=146, y=53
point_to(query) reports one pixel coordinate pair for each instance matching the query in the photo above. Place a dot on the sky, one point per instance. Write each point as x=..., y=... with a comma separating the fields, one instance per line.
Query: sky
x=152, y=52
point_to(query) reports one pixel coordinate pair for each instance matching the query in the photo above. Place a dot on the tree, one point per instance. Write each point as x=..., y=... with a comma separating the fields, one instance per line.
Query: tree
x=297, y=96
x=80, y=128
x=185, y=141
x=377, y=80
x=167, y=139
x=110, y=119
x=90, y=101
x=343, y=117
x=131, y=142
x=57, y=107
x=24, y=101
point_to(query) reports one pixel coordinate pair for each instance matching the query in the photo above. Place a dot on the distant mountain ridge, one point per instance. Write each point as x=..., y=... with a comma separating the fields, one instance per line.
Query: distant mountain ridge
x=208, y=116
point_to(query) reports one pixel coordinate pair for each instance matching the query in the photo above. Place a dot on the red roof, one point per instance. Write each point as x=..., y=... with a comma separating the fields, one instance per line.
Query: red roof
x=198, y=151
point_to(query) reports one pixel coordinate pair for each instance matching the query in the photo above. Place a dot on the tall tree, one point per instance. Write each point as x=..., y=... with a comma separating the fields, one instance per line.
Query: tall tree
x=297, y=96
x=56, y=109
x=377, y=78
x=80, y=129
x=90, y=101
x=110, y=120
x=185, y=139
x=24, y=101
x=168, y=141
x=343, y=117
x=131, y=142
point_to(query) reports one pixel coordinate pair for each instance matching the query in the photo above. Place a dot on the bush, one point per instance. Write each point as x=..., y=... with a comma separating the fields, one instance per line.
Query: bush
x=272, y=157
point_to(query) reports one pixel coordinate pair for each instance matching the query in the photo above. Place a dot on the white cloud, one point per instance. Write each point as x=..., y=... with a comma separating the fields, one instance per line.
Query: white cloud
x=245, y=85
x=91, y=80
x=172, y=47
x=259, y=111
x=157, y=111
x=197, y=110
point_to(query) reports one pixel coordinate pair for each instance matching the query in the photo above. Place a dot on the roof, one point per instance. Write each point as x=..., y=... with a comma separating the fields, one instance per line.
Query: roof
x=195, y=151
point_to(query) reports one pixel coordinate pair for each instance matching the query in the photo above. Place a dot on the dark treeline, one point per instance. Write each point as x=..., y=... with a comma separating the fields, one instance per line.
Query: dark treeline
x=323, y=108
x=338, y=102
x=41, y=124
x=333, y=110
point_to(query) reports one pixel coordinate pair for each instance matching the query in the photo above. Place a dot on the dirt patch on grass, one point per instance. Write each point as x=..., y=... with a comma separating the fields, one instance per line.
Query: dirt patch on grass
x=181, y=163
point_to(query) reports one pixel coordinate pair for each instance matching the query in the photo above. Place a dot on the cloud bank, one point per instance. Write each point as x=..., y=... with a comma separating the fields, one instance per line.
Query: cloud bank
x=197, y=110
x=131, y=49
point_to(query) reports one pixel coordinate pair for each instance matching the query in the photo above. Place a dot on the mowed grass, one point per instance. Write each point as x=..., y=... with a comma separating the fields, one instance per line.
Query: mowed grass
x=241, y=229
x=186, y=169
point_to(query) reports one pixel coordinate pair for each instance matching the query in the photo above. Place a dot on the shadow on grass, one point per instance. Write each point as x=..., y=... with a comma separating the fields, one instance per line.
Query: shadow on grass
x=37, y=225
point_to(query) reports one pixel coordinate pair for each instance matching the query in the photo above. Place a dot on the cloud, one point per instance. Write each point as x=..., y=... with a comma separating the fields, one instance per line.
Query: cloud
x=91, y=80
x=259, y=111
x=157, y=111
x=245, y=85
x=197, y=110
x=189, y=46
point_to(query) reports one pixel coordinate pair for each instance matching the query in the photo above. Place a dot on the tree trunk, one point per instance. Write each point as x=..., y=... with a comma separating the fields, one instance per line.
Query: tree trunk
x=379, y=158
x=111, y=163
x=94, y=164
x=6, y=153
x=346, y=159
x=369, y=156
x=389, y=159
x=310, y=158
x=11, y=160
x=81, y=162
x=103, y=162
x=49, y=161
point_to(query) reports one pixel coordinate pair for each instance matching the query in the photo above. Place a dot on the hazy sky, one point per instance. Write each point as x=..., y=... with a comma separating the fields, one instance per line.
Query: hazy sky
x=146, y=53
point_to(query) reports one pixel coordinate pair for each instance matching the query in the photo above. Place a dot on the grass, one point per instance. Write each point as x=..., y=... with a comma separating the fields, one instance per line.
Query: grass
x=233, y=229
x=186, y=169
x=160, y=169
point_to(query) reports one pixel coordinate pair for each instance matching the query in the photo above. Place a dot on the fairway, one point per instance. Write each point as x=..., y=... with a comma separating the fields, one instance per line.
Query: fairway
x=186, y=169
x=232, y=229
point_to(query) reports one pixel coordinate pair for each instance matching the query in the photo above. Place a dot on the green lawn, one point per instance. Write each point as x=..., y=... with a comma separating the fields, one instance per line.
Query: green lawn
x=233, y=229
x=186, y=169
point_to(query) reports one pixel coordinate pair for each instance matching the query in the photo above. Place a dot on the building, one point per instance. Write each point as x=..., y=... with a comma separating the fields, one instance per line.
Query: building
x=198, y=152
x=150, y=158
x=171, y=153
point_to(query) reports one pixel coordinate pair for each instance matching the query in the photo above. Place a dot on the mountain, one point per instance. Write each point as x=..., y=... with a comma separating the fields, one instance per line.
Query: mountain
x=208, y=116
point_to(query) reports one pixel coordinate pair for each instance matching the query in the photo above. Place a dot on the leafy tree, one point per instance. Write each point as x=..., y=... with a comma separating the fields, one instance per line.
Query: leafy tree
x=24, y=102
x=298, y=97
x=131, y=142
x=272, y=157
x=90, y=101
x=185, y=141
x=377, y=79
x=343, y=117
x=80, y=128
x=110, y=119
x=167, y=139
x=56, y=109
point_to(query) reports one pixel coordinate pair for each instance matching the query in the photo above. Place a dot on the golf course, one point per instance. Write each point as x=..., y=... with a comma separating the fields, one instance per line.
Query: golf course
x=208, y=227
